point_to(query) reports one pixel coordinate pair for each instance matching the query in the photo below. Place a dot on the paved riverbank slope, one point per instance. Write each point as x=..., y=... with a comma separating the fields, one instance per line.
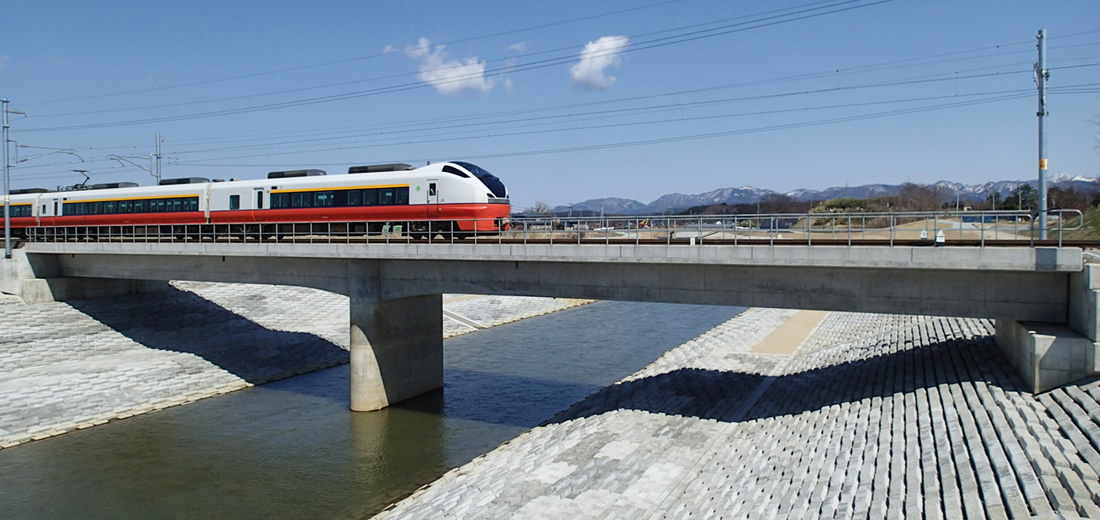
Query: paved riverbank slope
x=83, y=363
x=871, y=416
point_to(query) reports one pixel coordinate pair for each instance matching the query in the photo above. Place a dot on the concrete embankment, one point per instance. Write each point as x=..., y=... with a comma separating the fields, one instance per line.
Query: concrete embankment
x=79, y=364
x=842, y=415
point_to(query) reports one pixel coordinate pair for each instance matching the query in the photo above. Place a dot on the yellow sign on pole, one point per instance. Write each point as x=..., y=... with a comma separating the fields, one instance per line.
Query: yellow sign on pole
x=1042, y=164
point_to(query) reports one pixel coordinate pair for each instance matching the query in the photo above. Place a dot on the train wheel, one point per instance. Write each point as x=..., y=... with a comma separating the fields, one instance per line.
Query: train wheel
x=442, y=230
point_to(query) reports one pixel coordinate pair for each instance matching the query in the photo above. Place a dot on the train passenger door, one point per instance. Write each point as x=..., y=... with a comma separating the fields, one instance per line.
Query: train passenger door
x=259, y=194
x=433, y=198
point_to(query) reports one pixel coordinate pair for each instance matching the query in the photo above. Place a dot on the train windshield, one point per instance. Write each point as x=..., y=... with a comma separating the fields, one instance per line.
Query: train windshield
x=491, y=181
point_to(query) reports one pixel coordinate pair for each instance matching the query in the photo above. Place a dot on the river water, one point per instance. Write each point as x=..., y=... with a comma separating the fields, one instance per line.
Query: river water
x=291, y=449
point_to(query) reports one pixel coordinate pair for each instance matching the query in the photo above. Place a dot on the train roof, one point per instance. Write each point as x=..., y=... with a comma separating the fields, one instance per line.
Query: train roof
x=286, y=179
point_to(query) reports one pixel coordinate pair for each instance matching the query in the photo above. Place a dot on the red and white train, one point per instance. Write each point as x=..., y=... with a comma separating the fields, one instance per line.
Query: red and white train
x=449, y=197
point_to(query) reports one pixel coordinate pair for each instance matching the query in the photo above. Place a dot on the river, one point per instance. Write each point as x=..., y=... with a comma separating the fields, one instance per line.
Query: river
x=292, y=449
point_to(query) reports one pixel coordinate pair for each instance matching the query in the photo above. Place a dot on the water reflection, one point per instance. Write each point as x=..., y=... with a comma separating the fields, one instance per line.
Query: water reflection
x=291, y=448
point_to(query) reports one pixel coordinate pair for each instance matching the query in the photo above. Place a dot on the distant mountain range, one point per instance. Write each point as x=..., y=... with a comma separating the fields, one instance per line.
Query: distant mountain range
x=675, y=202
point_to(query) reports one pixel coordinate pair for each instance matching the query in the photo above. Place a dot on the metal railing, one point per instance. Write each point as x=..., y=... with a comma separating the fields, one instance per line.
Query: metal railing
x=970, y=227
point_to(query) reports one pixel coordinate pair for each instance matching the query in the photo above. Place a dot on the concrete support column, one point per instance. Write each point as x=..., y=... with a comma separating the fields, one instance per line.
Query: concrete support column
x=396, y=344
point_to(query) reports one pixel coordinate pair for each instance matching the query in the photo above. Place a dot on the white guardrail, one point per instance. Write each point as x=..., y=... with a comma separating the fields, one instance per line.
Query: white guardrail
x=971, y=227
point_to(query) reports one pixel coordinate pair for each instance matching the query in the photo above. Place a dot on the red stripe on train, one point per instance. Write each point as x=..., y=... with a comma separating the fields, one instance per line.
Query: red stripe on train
x=463, y=214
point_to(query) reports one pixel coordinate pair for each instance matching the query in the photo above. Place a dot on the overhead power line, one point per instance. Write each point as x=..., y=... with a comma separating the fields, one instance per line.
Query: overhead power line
x=767, y=21
x=466, y=125
x=670, y=139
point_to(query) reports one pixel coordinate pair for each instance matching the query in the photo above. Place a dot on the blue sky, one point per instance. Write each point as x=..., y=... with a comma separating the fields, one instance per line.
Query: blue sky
x=565, y=101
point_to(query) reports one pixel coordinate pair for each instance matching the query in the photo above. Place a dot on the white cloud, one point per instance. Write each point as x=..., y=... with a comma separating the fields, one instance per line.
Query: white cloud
x=448, y=76
x=596, y=58
x=518, y=46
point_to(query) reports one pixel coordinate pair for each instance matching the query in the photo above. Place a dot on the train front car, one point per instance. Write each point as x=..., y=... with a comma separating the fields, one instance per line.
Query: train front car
x=473, y=200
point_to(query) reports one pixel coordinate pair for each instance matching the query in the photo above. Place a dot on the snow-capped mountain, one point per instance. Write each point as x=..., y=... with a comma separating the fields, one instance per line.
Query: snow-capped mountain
x=675, y=202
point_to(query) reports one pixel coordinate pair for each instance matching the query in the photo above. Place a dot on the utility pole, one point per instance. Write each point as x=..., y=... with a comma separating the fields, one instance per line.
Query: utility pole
x=1041, y=76
x=7, y=179
x=7, y=186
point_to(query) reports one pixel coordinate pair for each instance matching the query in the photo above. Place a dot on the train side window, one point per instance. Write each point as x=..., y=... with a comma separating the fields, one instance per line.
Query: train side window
x=110, y=206
x=323, y=199
x=385, y=196
x=125, y=206
x=234, y=202
x=192, y=204
x=402, y=196
x=355, y=197
x=370, y=197
x=141, y=206
x=431, y=189
x=43, y=210
x=297, y=200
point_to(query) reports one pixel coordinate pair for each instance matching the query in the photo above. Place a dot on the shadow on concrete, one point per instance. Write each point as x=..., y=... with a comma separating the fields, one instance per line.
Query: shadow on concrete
x=182, y=321
x=722, y=396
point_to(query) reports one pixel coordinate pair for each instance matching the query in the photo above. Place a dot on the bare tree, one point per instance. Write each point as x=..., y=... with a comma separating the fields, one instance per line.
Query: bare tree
x=917, y=197
x=1067, y=198
x=780, y=203
x=540, y=208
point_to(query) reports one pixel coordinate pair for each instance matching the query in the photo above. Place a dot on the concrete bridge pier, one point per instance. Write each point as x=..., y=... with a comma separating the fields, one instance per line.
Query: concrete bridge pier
x=396, y=344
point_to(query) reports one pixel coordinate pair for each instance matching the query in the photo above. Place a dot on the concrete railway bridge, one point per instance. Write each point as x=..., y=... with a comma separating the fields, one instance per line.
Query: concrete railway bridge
x=1045, y=299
